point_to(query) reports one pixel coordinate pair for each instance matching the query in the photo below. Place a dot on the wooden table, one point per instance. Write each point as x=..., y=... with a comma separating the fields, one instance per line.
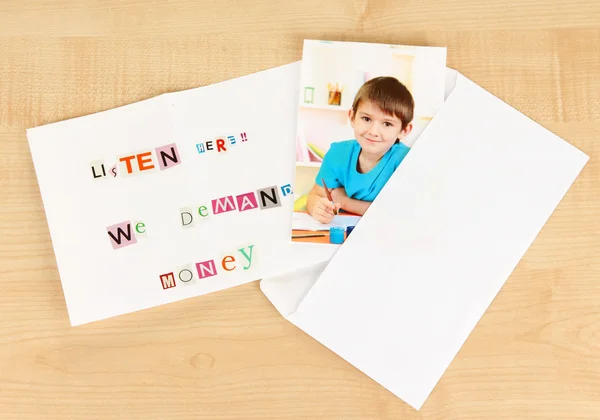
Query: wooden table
x=536, y=352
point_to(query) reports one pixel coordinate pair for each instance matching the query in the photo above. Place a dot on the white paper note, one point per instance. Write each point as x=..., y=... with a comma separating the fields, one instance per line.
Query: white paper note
x=181, y=176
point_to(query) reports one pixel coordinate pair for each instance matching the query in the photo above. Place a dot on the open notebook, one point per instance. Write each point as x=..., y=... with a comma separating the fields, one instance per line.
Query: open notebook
x=401, y=296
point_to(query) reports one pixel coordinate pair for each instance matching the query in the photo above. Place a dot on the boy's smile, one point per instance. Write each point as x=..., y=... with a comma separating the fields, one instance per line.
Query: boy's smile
x=376, y=131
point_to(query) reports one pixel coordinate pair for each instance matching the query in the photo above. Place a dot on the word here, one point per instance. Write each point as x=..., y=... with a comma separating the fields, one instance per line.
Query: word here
x=220, y=144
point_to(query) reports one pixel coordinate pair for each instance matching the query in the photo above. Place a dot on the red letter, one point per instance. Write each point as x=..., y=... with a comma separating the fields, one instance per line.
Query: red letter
x=226, y=260
x=167, y=280
x=142, y=161
x=127, y=160
x=221, y=145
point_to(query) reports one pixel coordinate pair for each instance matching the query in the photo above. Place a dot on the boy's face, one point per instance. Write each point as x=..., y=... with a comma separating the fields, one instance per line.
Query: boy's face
x=375, y=130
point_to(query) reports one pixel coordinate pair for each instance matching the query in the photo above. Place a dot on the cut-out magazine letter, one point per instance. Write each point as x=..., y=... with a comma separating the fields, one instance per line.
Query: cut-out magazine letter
x=172, y=197
x=401, y=296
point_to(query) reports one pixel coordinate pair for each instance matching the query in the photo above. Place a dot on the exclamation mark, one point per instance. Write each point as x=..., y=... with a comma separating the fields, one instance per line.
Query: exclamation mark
x=244, y=138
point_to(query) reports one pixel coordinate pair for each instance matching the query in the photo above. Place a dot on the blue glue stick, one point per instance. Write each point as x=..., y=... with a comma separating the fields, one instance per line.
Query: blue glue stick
x=336, y=235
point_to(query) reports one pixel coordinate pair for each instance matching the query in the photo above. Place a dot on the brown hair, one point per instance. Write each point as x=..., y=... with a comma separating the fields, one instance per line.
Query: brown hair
x=390, y=95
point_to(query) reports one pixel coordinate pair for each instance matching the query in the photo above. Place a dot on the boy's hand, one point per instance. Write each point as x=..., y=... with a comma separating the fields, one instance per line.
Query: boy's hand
x=323, y=211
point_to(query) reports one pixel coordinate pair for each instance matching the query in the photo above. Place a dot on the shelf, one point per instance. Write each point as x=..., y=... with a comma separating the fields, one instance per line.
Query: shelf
x=324, y=107
x=308, y=164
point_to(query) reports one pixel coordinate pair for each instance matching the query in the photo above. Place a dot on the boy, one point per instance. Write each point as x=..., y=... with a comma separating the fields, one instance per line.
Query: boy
x=356, y=170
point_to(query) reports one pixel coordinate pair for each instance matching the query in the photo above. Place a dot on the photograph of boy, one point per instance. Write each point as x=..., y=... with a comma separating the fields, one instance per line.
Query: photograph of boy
x=362, y=107
x=356, y=170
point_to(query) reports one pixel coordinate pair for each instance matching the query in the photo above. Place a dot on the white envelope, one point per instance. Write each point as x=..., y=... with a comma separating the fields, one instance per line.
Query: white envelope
x=401, y=296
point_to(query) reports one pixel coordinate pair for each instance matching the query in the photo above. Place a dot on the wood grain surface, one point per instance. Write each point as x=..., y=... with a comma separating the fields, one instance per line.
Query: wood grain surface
x=536, y=352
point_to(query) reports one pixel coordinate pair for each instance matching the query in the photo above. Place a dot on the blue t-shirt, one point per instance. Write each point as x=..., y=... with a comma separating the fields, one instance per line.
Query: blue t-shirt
x=339, y=169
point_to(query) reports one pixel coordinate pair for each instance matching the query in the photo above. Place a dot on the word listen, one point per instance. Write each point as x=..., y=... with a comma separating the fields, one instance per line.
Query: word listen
x=121, y=234
x=164, y=157
x=190, y=273
x=265, y=198
x=220, y=143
